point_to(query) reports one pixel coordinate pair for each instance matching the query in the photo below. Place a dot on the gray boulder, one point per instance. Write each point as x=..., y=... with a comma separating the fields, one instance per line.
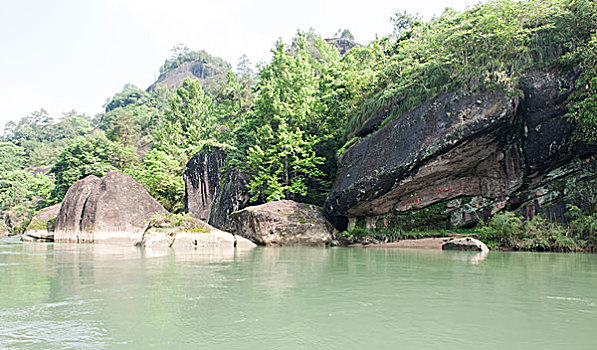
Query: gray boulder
x=115, y=209
x=283, y=223
x=467, y=244
x=68, y=220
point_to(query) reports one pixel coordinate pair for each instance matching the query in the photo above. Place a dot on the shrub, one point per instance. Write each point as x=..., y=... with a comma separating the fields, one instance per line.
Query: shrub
x=502, y=230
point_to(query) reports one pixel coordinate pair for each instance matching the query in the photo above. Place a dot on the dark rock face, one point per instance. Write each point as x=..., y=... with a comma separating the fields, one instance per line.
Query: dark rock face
x=545, y=133
x=283, y=223
x=202, y=182
x=342, y=44
x=209, y=197
x=115, y=209
x=232, y=196
x=377, y=172
x=474, y=155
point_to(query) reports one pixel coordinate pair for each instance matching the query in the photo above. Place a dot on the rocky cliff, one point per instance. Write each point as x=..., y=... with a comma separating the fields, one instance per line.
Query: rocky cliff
x=458, y=158
x=202, y=182
x=342, y=44
x=208, y=74
x=233, y=196
x=211, y=195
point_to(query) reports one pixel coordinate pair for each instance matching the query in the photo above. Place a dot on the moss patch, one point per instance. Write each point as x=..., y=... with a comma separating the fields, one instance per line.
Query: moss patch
x=433, y=217
x=174, y=223
x=39, y=224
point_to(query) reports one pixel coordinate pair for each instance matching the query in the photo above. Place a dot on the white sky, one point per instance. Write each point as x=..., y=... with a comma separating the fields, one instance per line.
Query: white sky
x=74, y=54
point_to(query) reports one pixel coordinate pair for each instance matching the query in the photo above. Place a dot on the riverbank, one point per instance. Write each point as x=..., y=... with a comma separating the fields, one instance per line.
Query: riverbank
x=505, y=233
x=420, y=243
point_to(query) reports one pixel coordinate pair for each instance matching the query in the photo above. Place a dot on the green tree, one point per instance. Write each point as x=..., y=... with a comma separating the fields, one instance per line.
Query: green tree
x=280, y=153
x=21, y=194
x=281, y=163
x=160, y=175
x=583, y=111
x=87, y=155
x=132, y=115
x=42, y=138
x=13, y=157
x=189, y=124
x=344, y=34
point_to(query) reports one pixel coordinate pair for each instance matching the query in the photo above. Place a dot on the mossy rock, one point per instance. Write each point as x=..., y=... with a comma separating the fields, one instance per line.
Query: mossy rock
x=173, y=223
x=44, y=219
x=435, y=216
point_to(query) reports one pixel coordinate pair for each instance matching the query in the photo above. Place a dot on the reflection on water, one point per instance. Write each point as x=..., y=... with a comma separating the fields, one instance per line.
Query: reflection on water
x=57, y=296
x=472, y=257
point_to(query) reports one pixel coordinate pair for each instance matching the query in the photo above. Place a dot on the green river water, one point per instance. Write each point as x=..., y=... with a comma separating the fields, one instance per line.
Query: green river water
x=59, y=296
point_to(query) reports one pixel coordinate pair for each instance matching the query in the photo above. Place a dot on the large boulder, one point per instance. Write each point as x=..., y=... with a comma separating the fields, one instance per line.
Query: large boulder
x=211, y=195
x=115, y=209
x=68, y=220
x=185, y=232
x=42, y=225
x=458, y=158
x=283, y=223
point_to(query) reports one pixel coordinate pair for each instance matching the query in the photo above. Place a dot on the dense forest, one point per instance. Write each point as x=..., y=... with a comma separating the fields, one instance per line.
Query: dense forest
x=288, y=123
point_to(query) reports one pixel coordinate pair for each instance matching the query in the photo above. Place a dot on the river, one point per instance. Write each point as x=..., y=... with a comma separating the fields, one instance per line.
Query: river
x=61, y=296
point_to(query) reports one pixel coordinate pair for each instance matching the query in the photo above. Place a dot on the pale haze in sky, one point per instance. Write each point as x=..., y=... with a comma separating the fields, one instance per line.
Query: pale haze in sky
x=62, y=55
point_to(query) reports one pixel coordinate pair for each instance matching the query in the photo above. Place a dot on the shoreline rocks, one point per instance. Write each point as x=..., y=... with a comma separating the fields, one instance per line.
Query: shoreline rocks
x=118, y=210
x=465, y=244
x=183, y=231
x=283, y=223
x=3, y=229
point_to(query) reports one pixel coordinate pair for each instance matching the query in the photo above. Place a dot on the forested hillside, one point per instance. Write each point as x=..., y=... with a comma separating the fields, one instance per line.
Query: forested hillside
x=287, y=124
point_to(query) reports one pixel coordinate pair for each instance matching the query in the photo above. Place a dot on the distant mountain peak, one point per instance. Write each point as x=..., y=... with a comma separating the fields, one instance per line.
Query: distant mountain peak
x=197, y=65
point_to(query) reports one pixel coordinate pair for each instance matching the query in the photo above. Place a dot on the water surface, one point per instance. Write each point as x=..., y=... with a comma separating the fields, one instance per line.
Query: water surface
x=61, y=296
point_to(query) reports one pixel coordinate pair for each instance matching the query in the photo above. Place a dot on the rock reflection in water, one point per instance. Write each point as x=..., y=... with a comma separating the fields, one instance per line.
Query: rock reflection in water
x=472, y=257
